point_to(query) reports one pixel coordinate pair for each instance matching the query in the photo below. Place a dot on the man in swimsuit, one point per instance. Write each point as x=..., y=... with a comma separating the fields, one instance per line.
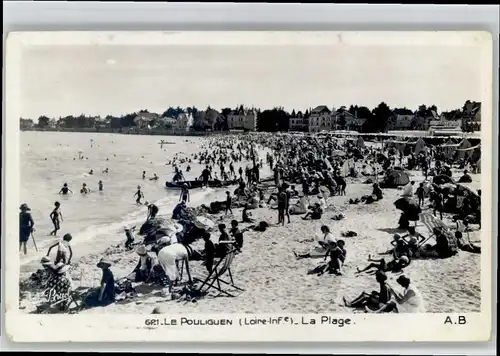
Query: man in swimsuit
x=64, y=190
x=100, y=186
x=26, y=225
x=54, y=216
x=139, y=195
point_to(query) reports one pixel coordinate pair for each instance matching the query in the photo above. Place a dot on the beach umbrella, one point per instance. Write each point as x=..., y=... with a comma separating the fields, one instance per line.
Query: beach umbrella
x=397, y=178
x=409, y=207
x=442, y=179
x=202, y=222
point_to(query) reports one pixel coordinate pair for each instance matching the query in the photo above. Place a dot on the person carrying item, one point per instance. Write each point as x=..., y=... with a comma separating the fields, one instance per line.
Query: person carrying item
x=63, y=249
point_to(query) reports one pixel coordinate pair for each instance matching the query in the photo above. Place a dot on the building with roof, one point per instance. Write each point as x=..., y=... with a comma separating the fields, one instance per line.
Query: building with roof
x=242, y=119
x=298, y=123
x=320, y=119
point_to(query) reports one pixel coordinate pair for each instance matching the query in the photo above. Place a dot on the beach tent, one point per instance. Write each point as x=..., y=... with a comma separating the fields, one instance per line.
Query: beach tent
x=462, y=147
x=360, y=143
x=395, y=178
x=419, y=146
x=470, y=151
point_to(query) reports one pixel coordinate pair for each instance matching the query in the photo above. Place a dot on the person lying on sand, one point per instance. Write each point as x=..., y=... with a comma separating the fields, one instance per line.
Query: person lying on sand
x=315, y=212
x=374, y=300
x=396, y=265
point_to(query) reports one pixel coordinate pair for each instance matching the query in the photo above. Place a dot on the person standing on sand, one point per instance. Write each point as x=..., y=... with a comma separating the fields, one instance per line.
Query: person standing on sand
x=184, y=193
x=282, y=205
x=54, y=216
x=229, y=202
x=26, y=227
x=139, y=195
x=205, y=175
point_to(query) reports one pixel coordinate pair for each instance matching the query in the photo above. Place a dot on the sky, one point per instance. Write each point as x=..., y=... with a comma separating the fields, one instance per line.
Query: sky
x=102, y=80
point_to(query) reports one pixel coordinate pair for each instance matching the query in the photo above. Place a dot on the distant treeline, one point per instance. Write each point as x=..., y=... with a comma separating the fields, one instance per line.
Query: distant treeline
x=269, y=120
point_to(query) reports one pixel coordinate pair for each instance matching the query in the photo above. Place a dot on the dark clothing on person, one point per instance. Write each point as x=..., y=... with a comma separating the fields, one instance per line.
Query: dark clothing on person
x=25, y=226
x=238, y=237
x=153, y=210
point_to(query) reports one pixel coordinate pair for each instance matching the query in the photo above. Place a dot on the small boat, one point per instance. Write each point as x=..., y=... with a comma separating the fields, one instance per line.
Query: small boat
x=193, y=184
x=166, y=142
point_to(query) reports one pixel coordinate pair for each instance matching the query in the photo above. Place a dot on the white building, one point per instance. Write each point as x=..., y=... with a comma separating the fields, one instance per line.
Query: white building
x=242, y=119
x=320, y=119
x=298, y=123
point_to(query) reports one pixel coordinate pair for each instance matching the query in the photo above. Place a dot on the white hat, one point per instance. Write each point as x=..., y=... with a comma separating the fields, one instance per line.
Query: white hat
x=165, y=240
x=141, y=250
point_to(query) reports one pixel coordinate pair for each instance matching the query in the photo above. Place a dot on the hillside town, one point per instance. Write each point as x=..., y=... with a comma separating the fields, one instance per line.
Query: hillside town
x=313, y=120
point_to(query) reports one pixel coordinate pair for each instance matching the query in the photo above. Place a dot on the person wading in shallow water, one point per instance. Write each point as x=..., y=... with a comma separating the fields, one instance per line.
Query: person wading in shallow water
x=139, y=195
x=26, y=225
x=54, y=216
x=64, y=190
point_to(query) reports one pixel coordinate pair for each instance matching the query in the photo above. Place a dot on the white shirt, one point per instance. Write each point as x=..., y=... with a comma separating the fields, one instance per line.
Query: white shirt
x=329, y=238
x=408, y=190
x=412, y=301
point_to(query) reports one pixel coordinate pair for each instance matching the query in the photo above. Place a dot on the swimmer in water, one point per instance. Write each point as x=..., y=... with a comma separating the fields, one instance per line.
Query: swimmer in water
x=54, y=216
x=143, y=174
x=100, y=185
x=184, y=193
x=105, y=171
x=155, y=177
x=91, y=172
x=84, y=189
x=64, y=190
x=139, y=195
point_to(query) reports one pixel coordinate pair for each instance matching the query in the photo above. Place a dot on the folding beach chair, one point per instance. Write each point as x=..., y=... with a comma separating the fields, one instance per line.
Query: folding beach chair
x=430, y=222
x=214, y=280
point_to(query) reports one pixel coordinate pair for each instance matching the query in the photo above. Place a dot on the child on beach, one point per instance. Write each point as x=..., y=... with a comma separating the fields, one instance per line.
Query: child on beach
x=54, y=216
x=139, y=195
x=63, y=248
x=64, y=190
x=237, y=234
x=315, y=212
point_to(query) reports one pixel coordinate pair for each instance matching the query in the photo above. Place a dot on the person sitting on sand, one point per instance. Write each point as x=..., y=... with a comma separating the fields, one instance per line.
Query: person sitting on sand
x=337, y=257
x=105, y=294
x=413, y=239
x=179, y=210
x=396, y=265
x=410, y=301
x=293, y=192
x=300, y=207
x=63, y=248
x=144, y=271
x=246, y=216
x=408, y=189
x=315, y=212
x=374, y=300
x=58, y=286
x=322, y=202
x=237, y=234
x=222, y=248
x=323, y=247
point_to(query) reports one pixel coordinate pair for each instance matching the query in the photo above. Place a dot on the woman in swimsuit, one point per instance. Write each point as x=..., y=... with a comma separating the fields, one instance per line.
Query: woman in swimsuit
x=54, y=216
x=375, y=299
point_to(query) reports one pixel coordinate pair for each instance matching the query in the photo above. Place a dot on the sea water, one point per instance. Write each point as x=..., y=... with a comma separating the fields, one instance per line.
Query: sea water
x=97, y=219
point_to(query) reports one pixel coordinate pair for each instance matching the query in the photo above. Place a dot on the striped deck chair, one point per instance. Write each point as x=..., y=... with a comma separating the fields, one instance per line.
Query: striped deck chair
x=214, y=280
x=430, y=222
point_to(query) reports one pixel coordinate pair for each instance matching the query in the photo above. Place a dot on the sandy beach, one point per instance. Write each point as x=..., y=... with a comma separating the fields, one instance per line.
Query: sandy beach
x=275, y=281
